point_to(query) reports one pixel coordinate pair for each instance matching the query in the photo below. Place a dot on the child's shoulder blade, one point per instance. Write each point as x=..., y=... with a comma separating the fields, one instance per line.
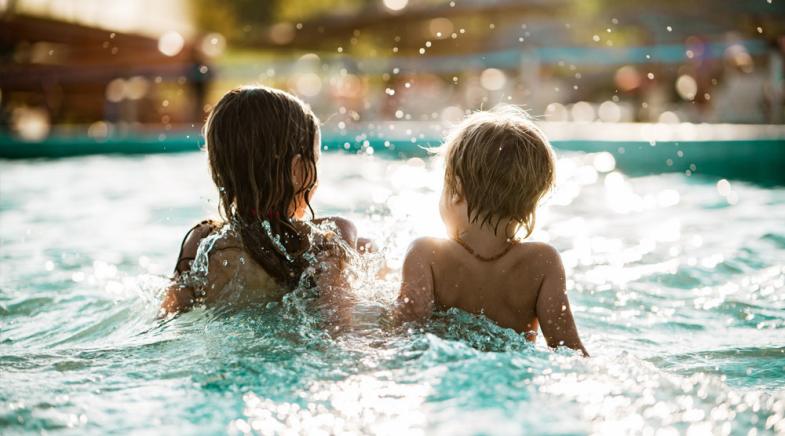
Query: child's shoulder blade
x=539, y=252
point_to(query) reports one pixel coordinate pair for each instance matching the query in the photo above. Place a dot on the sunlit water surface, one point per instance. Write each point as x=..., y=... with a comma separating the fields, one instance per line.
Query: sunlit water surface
x=677, y=283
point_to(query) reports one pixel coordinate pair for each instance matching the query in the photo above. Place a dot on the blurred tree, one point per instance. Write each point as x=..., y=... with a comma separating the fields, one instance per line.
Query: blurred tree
x=244, y=20
x=367, y=26
x=305, y=9
x=235, y=19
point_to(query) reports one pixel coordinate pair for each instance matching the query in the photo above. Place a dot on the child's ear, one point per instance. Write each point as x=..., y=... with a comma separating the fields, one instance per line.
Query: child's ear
x=297, y=170
x=457, y=195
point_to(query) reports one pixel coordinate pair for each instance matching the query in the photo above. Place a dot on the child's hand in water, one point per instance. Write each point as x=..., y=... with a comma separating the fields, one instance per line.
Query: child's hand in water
x=366, y=245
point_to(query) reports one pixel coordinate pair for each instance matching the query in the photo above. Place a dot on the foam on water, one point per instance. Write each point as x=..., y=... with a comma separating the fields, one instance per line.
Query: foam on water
x=677, y=283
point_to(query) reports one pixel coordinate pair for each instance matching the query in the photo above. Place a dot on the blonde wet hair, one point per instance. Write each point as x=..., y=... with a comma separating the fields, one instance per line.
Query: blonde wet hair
x=502, y=164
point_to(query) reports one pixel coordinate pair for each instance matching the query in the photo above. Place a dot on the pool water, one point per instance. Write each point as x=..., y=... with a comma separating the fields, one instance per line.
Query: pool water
x=677, y=284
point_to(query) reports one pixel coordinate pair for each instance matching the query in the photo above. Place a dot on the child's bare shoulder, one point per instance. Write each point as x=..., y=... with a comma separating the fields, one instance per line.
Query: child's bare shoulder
x=428, y=250
x=346, y=228
x=191, y=242
x=541, y=255
x=425, y=249
x=223, y=245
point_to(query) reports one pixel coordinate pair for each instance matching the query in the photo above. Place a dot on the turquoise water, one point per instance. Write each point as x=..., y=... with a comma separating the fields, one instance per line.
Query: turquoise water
x=677, y=283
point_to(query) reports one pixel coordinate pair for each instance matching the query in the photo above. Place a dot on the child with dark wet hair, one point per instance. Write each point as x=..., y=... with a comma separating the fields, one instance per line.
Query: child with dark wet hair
x=499, y=165
x=263, y=146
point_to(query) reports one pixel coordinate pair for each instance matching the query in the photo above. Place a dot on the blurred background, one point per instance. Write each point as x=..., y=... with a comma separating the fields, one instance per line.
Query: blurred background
x=83, y=76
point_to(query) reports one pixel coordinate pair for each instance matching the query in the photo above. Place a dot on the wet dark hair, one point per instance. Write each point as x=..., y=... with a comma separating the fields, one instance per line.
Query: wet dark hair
x=253, y=134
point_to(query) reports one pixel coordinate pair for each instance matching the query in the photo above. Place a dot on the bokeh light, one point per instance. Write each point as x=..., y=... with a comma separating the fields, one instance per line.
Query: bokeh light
x=136, y=87
x=609, y=112
x=668, y=117
x=171, y=43
x=308, y=84
x=440, y=28
x=582, y=111
x=282, y=33
x=556, y=112
x=627, y=78
x=395, y=5
x=31, y=124
x=493, y=79
x=687, y=87
x=213, y=44
x=116, y=90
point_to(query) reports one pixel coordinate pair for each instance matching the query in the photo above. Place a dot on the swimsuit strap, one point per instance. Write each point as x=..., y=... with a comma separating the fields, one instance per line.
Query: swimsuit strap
x=180, y=257
x=478, y=256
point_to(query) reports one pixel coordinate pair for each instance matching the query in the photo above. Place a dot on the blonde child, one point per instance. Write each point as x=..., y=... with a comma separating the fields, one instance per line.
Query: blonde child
x=498, y=167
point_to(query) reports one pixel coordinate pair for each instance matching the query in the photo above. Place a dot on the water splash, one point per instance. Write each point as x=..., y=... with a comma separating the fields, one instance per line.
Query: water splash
x=683, y=319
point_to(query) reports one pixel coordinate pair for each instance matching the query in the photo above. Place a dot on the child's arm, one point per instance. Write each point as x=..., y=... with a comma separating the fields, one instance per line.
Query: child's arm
x=177, y=298
x=416, y=297
x=553, y=306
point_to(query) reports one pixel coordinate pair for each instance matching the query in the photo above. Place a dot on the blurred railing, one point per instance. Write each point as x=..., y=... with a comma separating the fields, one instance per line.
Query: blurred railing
x=749, y=152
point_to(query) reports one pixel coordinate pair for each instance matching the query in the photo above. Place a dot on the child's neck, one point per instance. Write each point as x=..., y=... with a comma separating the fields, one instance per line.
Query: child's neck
x=482, y=238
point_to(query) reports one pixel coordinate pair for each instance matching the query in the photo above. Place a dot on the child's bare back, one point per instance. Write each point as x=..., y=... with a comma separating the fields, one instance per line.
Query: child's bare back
x=214, y=266
x=524, y=287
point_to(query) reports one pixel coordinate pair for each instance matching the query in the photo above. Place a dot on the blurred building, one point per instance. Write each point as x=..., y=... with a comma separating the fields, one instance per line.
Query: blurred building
x=125, y=64
x=62, y=73
x=564, y=60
